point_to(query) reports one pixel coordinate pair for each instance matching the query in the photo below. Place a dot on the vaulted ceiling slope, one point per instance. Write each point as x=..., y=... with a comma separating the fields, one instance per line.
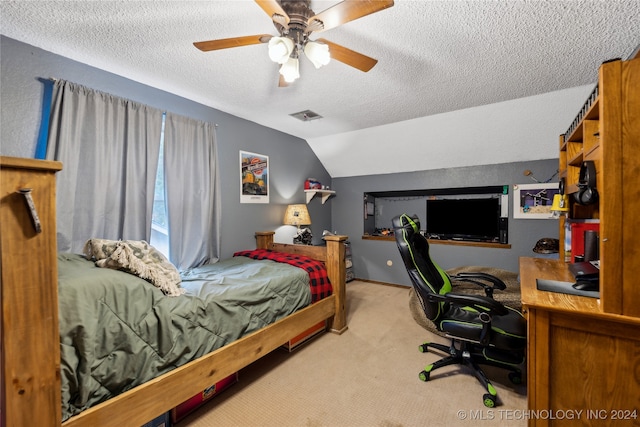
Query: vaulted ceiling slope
x=434, y=56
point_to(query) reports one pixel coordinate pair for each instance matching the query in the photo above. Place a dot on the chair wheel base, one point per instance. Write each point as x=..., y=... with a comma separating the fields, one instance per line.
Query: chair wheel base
x=489, y=400
x=515, y=378
x=471, y=356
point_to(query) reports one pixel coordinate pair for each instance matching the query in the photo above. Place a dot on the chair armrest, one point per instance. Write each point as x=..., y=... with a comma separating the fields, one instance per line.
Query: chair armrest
x=480, y=303
x=497, y=283
x=488, y=289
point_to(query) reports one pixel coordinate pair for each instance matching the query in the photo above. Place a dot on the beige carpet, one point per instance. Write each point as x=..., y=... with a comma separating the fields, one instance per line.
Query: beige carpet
x=367, y=376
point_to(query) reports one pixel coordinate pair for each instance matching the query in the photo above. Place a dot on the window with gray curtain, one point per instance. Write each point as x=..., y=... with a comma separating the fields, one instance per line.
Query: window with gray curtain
x=192, y=194
x=109, y=150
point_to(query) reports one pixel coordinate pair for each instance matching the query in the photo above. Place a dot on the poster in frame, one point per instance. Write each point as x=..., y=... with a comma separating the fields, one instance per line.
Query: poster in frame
x=254, y=178
x=533, y=201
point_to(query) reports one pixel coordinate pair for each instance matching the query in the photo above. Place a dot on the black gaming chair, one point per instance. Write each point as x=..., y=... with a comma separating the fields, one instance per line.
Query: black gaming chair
x=482, y=330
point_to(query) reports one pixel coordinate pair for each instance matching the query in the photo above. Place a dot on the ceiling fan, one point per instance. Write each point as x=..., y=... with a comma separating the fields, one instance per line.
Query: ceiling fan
x=295, y=21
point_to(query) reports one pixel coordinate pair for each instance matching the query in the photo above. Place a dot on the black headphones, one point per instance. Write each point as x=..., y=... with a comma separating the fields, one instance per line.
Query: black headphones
x=587, y=193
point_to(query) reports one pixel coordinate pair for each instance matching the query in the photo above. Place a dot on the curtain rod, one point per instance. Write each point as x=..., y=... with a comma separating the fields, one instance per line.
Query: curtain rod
x=55, y=79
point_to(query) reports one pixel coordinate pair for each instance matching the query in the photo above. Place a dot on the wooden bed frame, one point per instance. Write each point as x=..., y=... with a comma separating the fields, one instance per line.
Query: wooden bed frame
x=30, y=339
x=149, y=400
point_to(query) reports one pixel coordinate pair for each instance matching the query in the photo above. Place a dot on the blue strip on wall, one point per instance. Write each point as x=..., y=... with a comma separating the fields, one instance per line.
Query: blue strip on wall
x=43, y=136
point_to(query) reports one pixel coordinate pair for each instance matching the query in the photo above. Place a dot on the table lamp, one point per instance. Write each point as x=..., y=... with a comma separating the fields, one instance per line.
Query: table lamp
x=299, y=215
x=560, y=205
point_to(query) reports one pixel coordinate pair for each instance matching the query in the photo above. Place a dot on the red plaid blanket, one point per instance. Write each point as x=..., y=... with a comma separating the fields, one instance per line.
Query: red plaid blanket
x=318, y=278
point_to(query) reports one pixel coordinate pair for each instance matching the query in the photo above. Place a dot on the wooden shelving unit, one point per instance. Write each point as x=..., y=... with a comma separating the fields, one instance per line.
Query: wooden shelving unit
x=577, y=340
x=605, y=132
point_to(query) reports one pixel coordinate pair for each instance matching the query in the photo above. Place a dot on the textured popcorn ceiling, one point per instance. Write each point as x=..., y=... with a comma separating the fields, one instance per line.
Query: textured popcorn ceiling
x=434, y=56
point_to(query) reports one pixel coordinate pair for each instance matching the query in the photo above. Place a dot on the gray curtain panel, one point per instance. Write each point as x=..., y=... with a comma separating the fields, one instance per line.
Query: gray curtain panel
x=192, y=191
x=109, y=150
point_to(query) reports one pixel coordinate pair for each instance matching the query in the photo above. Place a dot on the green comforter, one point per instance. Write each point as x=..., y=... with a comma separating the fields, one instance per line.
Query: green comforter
x=118, y=331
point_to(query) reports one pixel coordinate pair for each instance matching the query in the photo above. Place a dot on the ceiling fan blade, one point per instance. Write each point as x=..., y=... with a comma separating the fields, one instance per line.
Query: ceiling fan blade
x=346, y=11
x=349, y=57
x=232, y=42
x=275, y=11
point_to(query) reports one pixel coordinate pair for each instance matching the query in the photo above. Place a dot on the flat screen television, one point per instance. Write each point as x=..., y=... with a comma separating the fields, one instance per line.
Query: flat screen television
x=466, y=219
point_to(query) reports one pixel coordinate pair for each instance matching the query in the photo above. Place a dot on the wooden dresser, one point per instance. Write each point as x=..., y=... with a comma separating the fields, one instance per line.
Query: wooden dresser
x=29, y=261
x=584, y=353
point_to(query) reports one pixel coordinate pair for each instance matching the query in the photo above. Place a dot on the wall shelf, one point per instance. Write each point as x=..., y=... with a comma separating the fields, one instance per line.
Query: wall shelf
x=324, y=193
x=445, y=242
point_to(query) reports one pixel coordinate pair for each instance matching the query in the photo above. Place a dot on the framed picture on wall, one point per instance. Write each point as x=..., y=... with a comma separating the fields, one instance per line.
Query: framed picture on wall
x=533, y=201
x=254, y=178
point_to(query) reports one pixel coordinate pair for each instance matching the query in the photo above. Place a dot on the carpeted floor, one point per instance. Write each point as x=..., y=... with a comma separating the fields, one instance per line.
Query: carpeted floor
x=367, y=376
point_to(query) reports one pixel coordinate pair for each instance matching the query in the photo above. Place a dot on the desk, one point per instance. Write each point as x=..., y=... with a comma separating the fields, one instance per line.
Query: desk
x=578, y=358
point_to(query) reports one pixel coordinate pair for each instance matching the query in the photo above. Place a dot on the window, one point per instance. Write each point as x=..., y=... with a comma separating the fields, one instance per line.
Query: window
x=159, y=223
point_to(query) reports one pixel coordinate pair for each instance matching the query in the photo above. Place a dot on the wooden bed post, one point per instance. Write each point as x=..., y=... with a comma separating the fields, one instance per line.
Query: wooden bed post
x=337, y=275
x=30, y=349
x=264, y=239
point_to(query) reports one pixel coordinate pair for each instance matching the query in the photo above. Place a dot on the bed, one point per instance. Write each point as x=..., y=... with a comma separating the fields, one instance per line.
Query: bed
x=31, y=364
x=155, y=396
x=118, y=332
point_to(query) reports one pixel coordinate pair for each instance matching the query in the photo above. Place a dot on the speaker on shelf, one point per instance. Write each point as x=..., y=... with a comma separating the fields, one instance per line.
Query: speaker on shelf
x=504, y=205
x=591, y=246
x=504, y=226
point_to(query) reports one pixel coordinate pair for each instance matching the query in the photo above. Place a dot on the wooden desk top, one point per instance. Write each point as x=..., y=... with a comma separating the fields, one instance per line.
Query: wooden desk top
x=553, y=269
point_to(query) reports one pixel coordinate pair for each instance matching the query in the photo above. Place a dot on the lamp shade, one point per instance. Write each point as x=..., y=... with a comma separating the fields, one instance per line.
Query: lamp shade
x=290, y=70
x=318, y=53
x=297, y=215
x=280, y=48
x=560, y=204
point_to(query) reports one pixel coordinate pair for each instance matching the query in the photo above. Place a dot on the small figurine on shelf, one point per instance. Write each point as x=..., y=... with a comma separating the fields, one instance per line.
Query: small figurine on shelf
x=312, y=184
x=383, y=232
x=303, y=237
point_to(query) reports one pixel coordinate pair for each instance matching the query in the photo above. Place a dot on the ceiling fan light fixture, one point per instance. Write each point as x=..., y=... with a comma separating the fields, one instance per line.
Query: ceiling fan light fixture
x=295, y=21
x=290, y=70
x=280, y=48
x=318, y=53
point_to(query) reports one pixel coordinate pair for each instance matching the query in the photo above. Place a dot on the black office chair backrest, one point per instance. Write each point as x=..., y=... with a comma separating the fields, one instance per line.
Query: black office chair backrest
x=426, y=276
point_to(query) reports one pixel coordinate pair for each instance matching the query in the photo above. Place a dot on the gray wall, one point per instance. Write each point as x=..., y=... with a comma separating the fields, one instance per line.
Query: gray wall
x=370, y=257
x=292, y=161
